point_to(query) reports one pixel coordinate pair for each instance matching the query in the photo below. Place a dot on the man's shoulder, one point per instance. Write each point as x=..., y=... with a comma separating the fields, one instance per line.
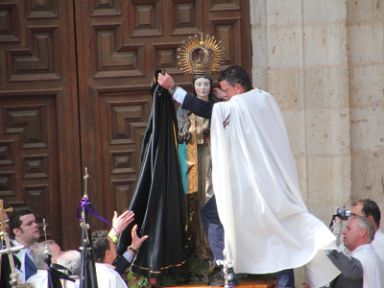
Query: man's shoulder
x=378, y=243
x=39, y=279
x=379, y=235
x=106, y=275
x=103, y=266
x=256, y=98
x=255, y=94
x=378, y=239
x=364, y=252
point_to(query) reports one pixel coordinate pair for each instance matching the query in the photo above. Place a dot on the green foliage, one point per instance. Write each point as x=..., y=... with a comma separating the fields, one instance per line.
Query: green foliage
x=136, y=281
x=194, y=270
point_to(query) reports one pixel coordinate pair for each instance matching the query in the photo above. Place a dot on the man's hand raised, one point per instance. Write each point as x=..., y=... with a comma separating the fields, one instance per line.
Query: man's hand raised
x=119, y=223
x=136, y=240
x=165, y=80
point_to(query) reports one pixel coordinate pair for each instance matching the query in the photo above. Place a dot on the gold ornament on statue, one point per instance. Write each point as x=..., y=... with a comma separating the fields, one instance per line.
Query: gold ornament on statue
x=200, y=55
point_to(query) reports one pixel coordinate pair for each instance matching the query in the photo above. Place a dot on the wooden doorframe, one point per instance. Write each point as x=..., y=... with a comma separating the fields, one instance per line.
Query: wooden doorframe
x=70, y=145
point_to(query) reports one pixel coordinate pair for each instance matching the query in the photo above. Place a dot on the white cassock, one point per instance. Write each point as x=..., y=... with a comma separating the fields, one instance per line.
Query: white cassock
x=372, y=266
x=378, y=245
x=40, y=279
x=107, y=277
x=267, y=225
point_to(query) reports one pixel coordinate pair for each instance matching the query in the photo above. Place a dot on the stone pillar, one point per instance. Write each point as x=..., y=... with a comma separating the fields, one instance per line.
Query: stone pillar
x=300, y=57
x=365, y=22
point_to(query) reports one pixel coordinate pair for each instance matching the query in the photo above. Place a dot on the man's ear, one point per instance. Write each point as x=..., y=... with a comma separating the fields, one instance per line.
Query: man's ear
x=363, y=232
x=370, y=217
x=16, y=231
x=239, y=88
x=107, y=252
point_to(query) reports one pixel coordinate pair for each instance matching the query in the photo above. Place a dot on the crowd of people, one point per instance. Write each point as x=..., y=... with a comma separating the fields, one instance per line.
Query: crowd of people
x=359, y=256
x=255, y=219
x=34, y=261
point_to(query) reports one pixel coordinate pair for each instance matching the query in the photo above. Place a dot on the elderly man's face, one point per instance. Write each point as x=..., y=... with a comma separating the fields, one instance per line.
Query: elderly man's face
x=351, y=234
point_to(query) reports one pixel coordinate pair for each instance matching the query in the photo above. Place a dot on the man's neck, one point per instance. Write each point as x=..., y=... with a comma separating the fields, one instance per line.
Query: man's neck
x=361, y=243
x=22, y=242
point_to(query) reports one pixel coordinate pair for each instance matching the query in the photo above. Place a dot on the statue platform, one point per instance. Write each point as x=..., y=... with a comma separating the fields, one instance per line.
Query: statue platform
x=243, y=284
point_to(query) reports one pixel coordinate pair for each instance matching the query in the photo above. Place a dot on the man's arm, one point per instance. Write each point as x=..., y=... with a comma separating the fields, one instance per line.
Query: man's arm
x=351, y=268
x=119, y=223
x=122, y=262
x=197, y=106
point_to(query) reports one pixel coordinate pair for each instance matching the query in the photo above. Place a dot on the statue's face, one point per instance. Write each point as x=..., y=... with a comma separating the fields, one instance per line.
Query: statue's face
x=202, y=88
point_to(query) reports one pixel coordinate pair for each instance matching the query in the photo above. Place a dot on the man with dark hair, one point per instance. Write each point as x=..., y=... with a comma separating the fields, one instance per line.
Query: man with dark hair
x=369, y=208
x=266, y=223
x=105, y=255
x=236, y=77
x=24, y=231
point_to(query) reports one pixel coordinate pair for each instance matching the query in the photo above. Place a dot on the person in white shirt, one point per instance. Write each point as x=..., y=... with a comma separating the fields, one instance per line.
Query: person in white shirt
x=363, y=268
x=39, y=255
x=105, y=253
x=71, y=261
x=369, y=209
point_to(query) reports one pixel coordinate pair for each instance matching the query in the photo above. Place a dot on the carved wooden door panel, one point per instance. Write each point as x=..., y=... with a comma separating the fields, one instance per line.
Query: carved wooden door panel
x=39, y=146
x=120, y=43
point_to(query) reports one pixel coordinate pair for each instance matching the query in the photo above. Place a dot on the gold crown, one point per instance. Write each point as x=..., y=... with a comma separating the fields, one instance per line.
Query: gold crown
x=200, y=55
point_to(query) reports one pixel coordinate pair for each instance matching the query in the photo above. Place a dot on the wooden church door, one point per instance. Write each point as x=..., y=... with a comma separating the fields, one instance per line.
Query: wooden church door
x=74, y=92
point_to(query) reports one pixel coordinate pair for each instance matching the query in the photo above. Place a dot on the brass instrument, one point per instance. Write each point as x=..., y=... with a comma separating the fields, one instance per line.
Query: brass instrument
x=14, y=277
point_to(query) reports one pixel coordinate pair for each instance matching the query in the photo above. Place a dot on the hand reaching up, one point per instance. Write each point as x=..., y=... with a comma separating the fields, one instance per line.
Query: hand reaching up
x=136, y=240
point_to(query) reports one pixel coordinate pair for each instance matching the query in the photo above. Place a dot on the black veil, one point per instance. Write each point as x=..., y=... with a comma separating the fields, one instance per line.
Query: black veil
x=159, y=202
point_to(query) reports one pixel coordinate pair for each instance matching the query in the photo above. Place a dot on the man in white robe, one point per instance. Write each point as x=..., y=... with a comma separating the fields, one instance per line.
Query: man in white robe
x=267, y=226
x=105, y=254
x=266, y=223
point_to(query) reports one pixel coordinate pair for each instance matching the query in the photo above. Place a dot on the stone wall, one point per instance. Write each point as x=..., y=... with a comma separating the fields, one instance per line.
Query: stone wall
x=365, y=34
x=324, y=63
x=300, y=56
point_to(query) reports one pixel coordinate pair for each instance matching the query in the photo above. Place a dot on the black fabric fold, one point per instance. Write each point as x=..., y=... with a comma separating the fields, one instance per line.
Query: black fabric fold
x=158, y=201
